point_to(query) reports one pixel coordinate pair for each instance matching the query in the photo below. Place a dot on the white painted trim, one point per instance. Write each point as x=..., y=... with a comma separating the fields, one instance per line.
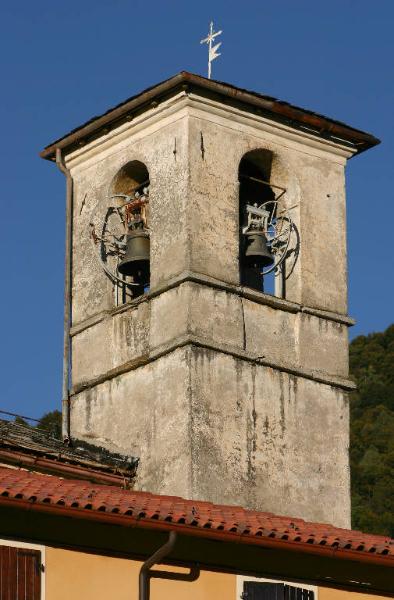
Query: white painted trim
x=140, y=127
x=241, y=579
x=277, y=131
x=184, y=104
x=27, y=545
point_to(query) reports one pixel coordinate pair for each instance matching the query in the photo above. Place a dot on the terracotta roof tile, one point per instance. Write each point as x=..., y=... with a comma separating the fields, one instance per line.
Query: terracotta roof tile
x=80, y=495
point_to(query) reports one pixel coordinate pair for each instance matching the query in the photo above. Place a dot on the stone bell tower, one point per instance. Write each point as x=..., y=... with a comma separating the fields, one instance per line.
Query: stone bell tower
x=227, y=393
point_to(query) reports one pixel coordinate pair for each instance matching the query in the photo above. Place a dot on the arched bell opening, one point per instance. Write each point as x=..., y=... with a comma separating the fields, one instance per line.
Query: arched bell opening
x=132, y=175
x=130, y=194
x=256, y=204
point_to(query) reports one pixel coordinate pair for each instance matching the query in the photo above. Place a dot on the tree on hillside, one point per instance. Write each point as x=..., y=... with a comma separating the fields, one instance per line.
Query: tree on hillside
x=372, y=432
x=50, y=422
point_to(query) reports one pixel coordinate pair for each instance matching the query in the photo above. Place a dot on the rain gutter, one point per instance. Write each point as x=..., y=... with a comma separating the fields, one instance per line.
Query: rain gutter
x=67, y=297
x=146, y=572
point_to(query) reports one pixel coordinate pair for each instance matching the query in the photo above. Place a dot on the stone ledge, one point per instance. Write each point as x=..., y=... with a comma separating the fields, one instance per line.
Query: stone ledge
x=329, y=316
x=199, y=278
x=200, y=342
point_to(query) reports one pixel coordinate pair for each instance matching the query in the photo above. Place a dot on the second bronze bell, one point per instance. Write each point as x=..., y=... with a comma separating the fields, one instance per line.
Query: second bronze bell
x=135, y=262
x=257, y=252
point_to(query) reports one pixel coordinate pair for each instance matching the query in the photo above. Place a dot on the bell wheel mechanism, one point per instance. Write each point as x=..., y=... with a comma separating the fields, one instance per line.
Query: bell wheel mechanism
x=267, y=236
x=121, y=240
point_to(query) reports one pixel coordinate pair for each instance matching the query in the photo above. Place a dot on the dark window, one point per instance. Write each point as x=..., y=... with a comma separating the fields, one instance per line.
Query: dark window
x=254, y=590
x=254, y=190
x=130, y=193
x=20, y=573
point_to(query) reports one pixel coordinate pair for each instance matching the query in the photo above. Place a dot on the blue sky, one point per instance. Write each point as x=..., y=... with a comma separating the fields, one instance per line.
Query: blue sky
x=62, y=63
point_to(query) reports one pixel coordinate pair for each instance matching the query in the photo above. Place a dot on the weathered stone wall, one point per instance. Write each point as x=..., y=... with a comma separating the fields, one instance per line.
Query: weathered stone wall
x=111, y=342
x=268, y=440
x=193, y=166
x=284, y=336
x=93, y=292
x=146, y=413
x=224, y=394
x=315, y=186
x=210, y=426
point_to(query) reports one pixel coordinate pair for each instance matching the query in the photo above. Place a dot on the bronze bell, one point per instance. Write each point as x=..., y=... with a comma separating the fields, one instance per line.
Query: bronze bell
x=135, y=262
x=257, y=253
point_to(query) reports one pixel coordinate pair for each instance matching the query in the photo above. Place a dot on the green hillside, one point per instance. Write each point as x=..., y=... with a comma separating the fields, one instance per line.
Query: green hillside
x=372, y=432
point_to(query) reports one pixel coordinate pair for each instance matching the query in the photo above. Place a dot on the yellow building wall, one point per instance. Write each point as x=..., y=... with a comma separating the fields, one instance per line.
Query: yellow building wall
x=331, y=594
x=79, y=576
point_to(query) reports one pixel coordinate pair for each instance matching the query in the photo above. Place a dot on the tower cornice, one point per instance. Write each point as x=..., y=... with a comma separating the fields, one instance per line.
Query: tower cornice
x=271, y=108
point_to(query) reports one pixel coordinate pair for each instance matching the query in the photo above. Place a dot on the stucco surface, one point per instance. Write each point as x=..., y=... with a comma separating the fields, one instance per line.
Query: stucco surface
x=110, y=343
x=215, y=316
x=92, y=290
x=193, y=166
x=270, y=441
x=315, y=187
x=145, y=413
x=212, y=427
x=83, y=576
x=213, y=423
x=332, y=594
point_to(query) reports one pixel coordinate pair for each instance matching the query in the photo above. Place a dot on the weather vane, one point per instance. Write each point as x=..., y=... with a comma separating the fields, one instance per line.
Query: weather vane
x=212, y=50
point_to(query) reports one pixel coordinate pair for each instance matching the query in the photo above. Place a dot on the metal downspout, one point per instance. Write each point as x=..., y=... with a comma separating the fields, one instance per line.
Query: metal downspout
x=146, y=574
x=67, y=297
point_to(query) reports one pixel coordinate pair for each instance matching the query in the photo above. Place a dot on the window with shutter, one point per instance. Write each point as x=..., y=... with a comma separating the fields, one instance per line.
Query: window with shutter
x=20, y=573
x=254, y=590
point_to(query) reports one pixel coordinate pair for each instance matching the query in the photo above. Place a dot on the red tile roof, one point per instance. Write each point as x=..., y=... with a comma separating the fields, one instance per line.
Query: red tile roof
x=152, y=510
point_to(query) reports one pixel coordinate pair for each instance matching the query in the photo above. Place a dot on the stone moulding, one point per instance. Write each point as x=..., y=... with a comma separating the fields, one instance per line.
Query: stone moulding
x=189, y=276
x=192, y=340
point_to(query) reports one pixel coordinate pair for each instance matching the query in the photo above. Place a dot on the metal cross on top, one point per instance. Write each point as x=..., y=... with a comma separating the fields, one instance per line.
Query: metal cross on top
x=212, y=54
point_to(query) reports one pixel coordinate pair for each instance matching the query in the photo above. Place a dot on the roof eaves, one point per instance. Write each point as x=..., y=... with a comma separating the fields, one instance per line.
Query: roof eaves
x=273, y=108
x=113, y=116
x=217, y=519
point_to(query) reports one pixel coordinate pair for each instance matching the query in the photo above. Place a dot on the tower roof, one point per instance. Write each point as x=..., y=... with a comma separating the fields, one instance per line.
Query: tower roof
x=262, y=105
